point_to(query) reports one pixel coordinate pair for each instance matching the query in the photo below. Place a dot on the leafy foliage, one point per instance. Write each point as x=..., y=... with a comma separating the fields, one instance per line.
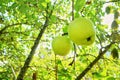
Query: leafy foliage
x=22, y=20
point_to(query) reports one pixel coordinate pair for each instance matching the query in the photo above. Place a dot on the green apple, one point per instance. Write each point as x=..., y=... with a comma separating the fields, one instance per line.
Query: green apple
x=61, y=45
x=81, y=31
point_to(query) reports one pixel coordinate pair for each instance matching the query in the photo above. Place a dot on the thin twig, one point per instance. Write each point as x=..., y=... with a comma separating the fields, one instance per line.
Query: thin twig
x=13, y=71
x=99, y=41
x=73, y=43
x=74, y=55
x=101, y=53
x=2, y=30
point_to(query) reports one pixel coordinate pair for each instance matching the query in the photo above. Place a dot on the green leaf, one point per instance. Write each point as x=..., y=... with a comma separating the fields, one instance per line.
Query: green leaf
x=47, y=1
x=44, y=4
x=79, y=4
x=97, y=75
x=107, y=10
x=1, y=20
x=114, y=53
x=114, y=25
x=53, y=18
x=116, y=14
x=59, y=62
x=24, y=8
x=110, y=78
x=65, y=29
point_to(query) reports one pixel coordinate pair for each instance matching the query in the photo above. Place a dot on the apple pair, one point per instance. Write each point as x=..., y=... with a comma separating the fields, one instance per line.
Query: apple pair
x=80, y=31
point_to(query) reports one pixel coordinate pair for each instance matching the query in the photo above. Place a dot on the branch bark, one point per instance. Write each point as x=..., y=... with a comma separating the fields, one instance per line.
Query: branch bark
x=30, y=56
x=34, y=77
x=33, y=49
x=101, y=53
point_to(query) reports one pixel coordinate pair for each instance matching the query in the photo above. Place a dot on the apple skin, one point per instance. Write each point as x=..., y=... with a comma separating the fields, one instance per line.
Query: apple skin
x=81, y=31
x=61, y=45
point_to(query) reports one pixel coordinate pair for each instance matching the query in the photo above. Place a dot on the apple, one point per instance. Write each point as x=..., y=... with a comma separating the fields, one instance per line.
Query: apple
x=61, y=45
x=81, y=31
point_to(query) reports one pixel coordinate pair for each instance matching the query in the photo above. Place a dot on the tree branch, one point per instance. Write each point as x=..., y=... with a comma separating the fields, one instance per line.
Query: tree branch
x=101, y=53
x=2, y=30
x=99, y=41
x=33, y=49
x=30, y=56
